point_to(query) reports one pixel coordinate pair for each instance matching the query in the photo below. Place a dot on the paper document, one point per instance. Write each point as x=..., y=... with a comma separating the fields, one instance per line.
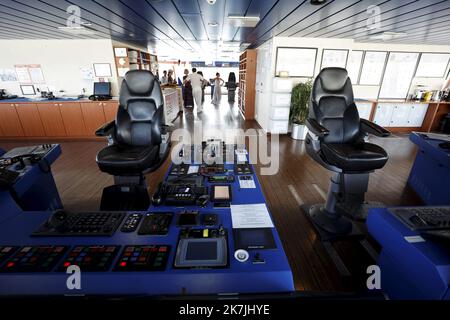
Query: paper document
x=246, y=183
x=250, y=216
x=193, y=169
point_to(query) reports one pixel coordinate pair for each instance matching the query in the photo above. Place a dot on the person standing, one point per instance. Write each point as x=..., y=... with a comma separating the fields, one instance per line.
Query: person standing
x=196, y=83
x=164, y=77
x=187, y=91
x=204, y=84
x=218, y=83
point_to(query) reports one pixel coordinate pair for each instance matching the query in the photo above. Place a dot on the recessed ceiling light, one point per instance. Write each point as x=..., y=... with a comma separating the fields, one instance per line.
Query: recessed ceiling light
x=387, y=35
x=317, y=2
x=242, y=21
x=77, y=30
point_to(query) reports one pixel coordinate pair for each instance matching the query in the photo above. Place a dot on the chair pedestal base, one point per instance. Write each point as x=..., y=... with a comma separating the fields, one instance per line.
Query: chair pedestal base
x=358, y=211
x=127, y=194
x=331, y=227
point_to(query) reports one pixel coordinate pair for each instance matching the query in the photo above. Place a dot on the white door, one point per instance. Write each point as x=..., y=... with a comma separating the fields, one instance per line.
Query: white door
x=400, y=115
x=383, y=114
x=417, y=114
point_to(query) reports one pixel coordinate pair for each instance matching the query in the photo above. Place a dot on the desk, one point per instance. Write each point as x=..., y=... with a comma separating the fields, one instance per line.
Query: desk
x=273, y=276
x=430, y=174
x=409, y=270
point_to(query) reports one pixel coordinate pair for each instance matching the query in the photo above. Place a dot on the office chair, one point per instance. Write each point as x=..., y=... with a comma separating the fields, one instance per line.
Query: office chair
x=337, y=141
x=138, y=142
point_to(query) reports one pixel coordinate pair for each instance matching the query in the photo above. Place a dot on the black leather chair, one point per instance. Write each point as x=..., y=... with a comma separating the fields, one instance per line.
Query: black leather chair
x=337, y=140
x=138, y=142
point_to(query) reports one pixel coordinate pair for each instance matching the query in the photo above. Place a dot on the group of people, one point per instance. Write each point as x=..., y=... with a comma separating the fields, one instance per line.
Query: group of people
x=194, y=85
x=194, y=89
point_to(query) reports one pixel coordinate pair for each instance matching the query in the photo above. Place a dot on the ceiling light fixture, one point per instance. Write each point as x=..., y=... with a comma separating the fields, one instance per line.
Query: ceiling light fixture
x=242, y=21
x=387, y=35
x=213, y=24
x=77, y=30
x=317, y=2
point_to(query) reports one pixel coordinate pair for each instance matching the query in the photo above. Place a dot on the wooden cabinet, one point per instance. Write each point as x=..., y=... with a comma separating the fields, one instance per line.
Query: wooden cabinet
x=110, y=110
x=9, y=121
x=247, y=83
x=30, y=119
x=51, y=119
x=93, y=115
x=57, y=119
x=73, y=119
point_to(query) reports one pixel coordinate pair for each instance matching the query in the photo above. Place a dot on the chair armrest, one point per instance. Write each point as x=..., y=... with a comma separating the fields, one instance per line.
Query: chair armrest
x=370, y=127
x=316, y=128
x=106, y=129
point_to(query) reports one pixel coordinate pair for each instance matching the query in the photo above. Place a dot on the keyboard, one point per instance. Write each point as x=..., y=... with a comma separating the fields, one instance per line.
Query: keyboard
x=424, y=218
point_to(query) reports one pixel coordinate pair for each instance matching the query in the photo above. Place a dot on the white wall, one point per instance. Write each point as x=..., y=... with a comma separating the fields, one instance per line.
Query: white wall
x=60, y=61
x=368, y=92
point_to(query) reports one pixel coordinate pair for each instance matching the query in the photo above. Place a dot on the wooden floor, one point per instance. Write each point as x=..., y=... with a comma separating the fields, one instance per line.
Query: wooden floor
x=299, y=180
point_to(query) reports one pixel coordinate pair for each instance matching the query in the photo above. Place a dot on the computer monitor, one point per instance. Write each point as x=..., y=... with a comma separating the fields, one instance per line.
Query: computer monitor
x=102, y=89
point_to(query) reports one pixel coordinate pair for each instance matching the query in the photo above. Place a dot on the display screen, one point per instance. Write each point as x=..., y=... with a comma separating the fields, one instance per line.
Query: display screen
x=254, y=238
x=221, y=193
x=102, y=88
x=205, y=250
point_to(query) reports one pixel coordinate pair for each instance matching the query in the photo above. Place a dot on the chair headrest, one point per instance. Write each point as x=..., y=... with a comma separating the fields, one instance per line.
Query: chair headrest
x=333, y=79
x=140, y=82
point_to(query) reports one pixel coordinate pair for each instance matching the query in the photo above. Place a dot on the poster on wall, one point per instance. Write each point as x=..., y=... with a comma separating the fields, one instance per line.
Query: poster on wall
x=23, y=76
x=102, y=70
x=87, y=73
x=29, y=73
x=36, y=74
x=8, y=75
x=298, y=62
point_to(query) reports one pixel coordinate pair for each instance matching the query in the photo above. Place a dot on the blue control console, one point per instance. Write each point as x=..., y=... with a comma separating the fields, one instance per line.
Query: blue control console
x=34, y=189
x=430, y=174
x=187, y=248
x=412, y=266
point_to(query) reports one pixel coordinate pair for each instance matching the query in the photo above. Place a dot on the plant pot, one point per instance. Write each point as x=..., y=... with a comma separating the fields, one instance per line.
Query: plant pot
x=299, y=131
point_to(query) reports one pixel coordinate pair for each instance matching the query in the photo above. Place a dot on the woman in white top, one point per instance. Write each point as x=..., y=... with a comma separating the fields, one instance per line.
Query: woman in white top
x=218, y=83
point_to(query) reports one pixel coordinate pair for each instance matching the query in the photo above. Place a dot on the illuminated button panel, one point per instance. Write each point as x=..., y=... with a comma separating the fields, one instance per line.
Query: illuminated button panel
x=6, y=252
x=34, y=259
x=143, y=258
x=90, y=258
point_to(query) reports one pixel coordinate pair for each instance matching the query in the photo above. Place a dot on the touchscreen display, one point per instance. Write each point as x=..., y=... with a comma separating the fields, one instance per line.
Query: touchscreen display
x=205, y=250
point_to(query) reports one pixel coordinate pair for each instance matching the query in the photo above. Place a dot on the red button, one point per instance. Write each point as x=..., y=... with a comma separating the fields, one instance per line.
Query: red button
x=66, y=264
x=10, y=264
x=123, y=264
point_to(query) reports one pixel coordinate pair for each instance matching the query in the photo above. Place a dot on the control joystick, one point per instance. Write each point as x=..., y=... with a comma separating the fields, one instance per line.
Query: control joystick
x=57, y=220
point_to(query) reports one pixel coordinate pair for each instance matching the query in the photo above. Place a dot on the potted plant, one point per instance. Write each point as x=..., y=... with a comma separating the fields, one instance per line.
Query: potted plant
x=299, y=109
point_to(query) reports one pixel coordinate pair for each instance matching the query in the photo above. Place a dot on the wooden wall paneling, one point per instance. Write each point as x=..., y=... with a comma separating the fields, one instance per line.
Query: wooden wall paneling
x=93, y=116
x=30, y=119
x=52, y=120
x=9, y=121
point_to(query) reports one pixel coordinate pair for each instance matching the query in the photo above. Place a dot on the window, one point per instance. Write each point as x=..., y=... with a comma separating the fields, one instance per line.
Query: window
x=354, y=65
x=372, y=68
x=432, y=65
x=334, y=58
x=398, y=75
x=299, y=62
